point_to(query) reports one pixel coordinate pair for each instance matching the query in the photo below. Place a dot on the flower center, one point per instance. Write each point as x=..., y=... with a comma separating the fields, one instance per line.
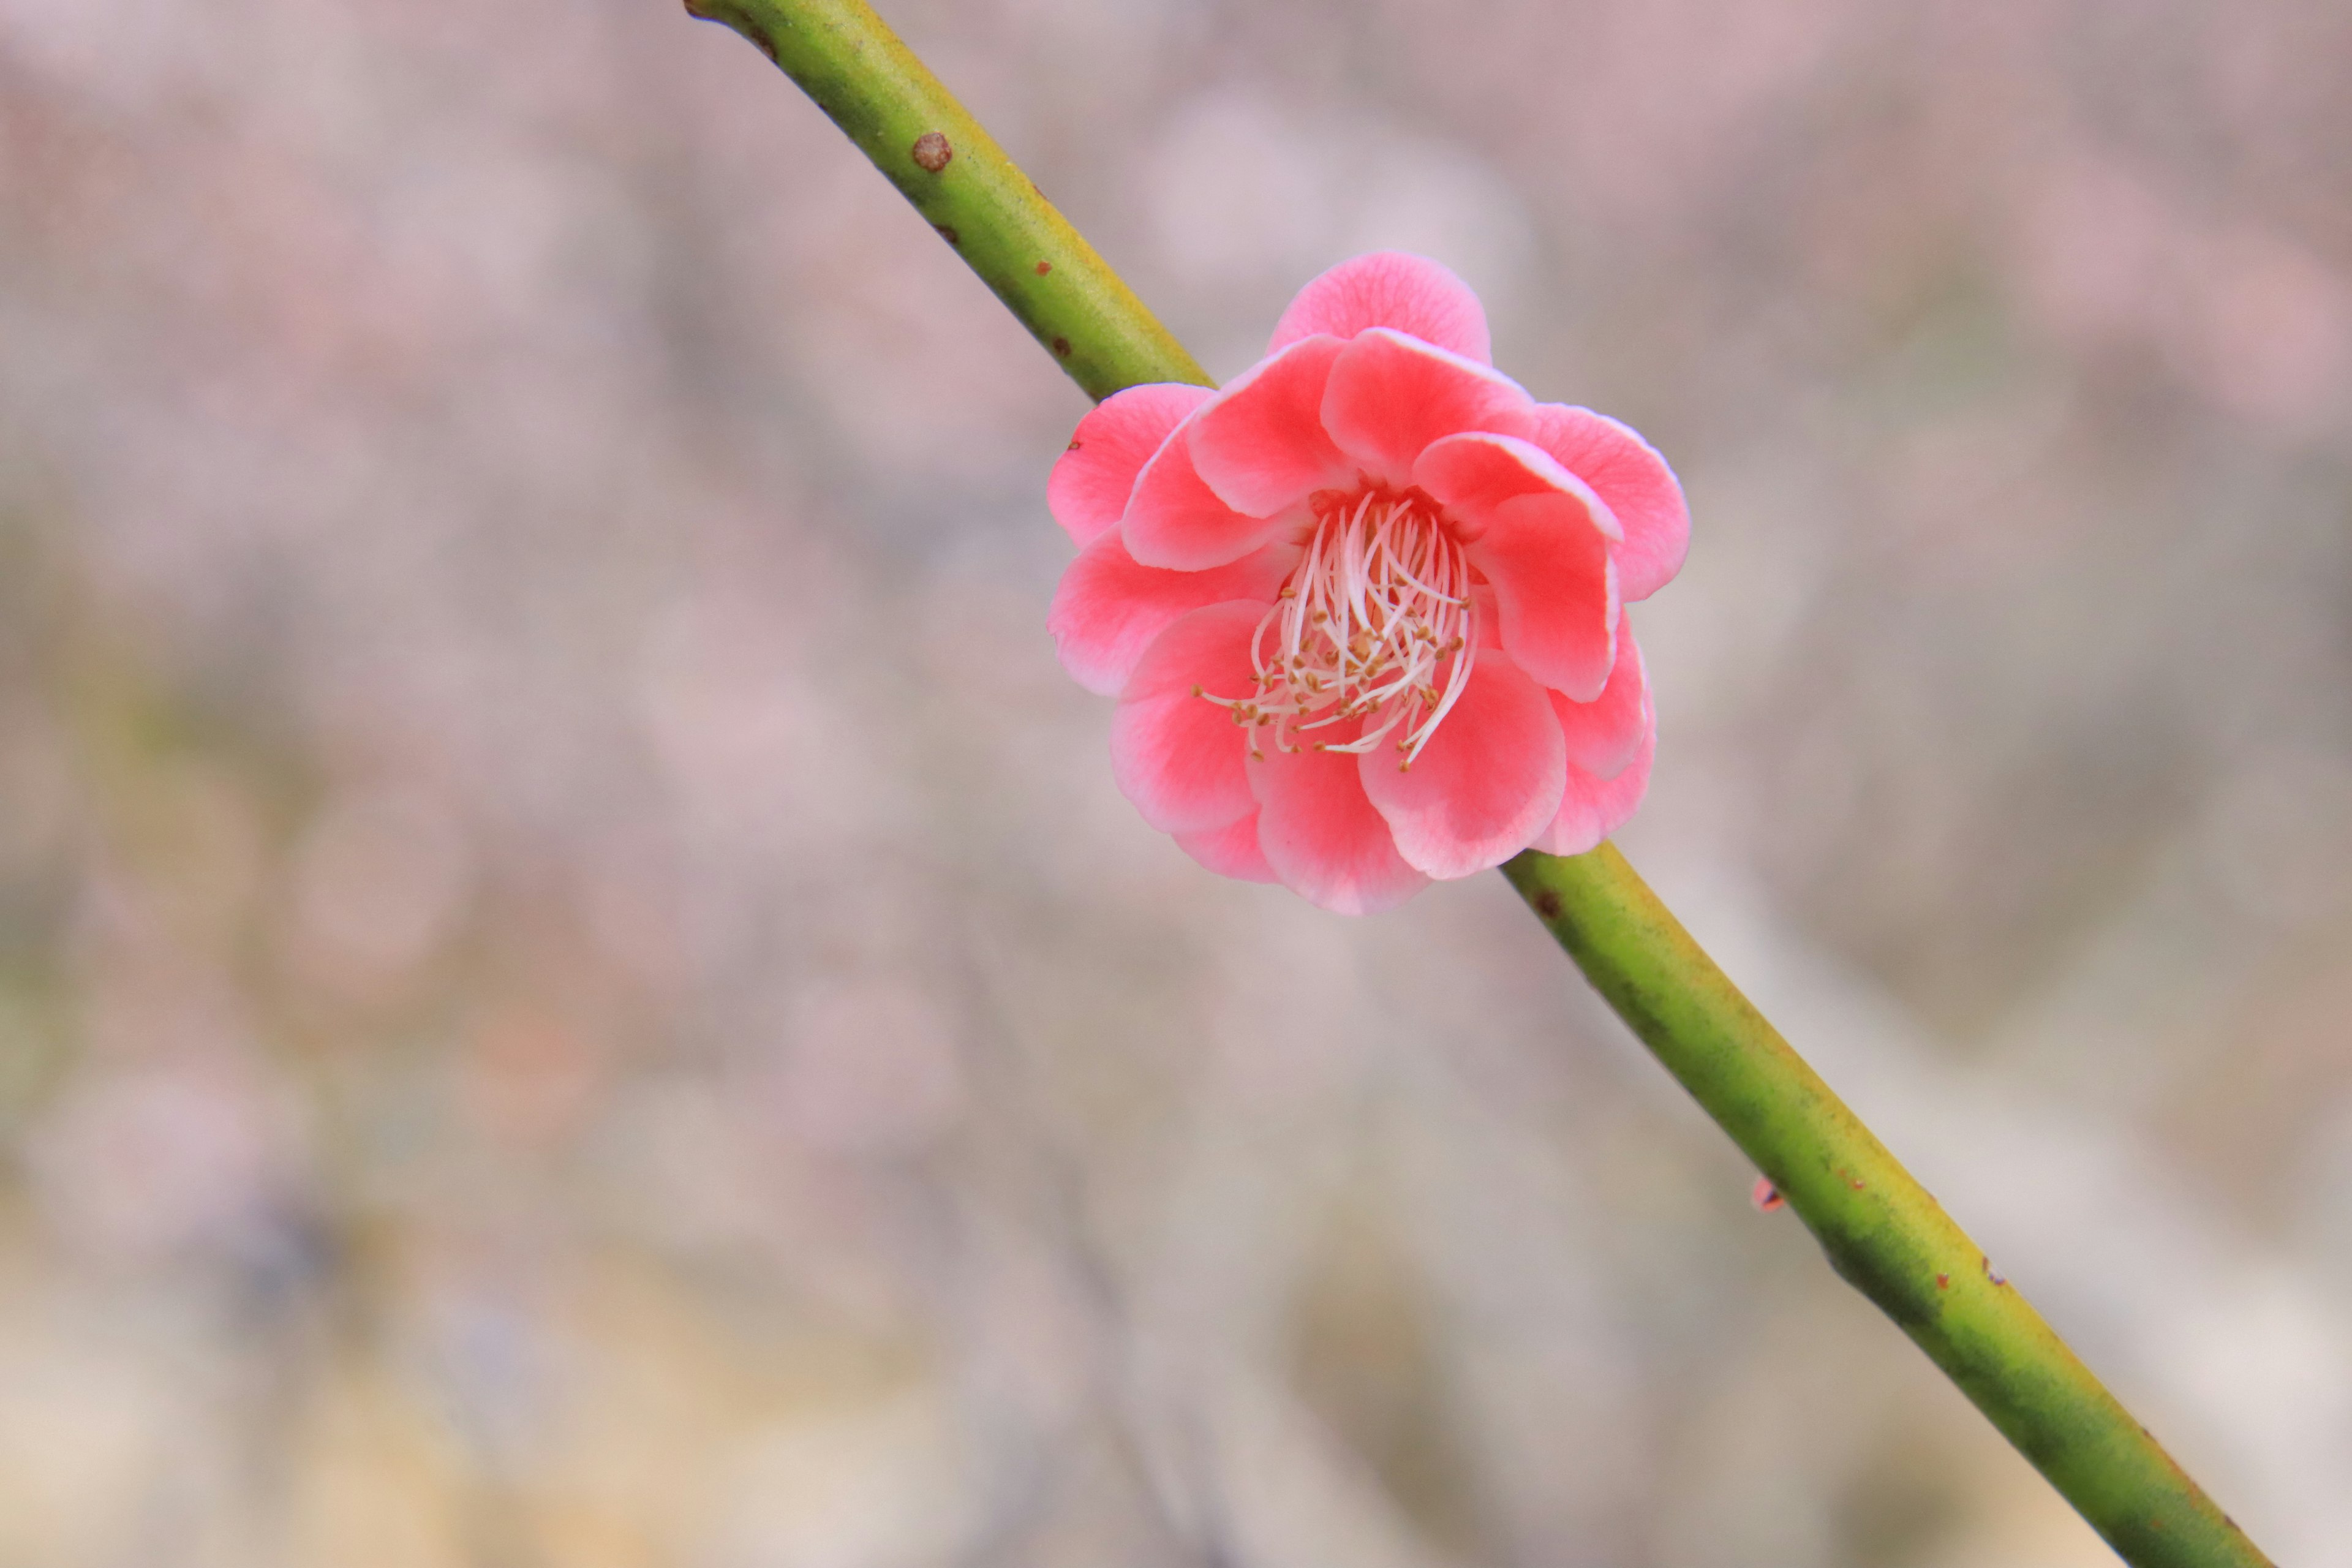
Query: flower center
x=1375, y=614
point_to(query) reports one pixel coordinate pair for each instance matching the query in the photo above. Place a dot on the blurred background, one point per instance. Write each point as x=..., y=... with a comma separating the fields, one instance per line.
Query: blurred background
x=573, y=985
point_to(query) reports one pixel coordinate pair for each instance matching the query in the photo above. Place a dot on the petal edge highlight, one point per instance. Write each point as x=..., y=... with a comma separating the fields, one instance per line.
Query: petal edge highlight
x=1173, y=754
x=1092, y=478
x=1591, y=809
x=1555, y=589
x=1259, y=444
x=1473, y=473
x=1323, y=838
x=1109, y=607
x=1415, y=295
x=1489, y=779
x=1636, y=483
x=1604, y=734
x=1390, y=396
x=1175, y=520
x=1229, y=851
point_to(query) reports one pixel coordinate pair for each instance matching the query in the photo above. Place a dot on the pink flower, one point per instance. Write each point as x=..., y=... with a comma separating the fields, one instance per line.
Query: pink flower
x=1362, y=608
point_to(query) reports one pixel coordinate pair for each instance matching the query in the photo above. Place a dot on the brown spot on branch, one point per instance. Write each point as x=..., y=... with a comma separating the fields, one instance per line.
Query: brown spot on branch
x=931, y=152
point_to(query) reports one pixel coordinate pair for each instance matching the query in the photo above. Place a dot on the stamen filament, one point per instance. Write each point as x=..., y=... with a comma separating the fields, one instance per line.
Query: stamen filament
x=1378, y=608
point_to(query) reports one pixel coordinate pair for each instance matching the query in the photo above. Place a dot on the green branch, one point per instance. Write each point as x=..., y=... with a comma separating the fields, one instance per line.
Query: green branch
x=888, y=103
x=1881, y=1230
x=1884, y=1233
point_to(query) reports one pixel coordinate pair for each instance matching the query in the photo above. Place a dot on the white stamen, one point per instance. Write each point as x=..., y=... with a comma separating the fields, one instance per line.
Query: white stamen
x=1379, y=604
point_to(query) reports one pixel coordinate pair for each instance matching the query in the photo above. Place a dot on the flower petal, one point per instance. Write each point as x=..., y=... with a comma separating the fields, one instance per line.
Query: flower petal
x=1472, y=474
x=1555, y=589
x=1091, y=480
x=1175, y=520
x=1229, y=851
x=1321, y=835
x=1488, y=780
x=1390, y=396
x=1627, y=473
x=1389, y=289
x=1259, y=445
x=1176, y=756
x=1591, y=809
x=1604, y=734
x=1109, y=607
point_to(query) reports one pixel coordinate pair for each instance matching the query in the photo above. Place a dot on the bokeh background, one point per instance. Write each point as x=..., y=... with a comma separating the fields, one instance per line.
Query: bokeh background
x=574, y=989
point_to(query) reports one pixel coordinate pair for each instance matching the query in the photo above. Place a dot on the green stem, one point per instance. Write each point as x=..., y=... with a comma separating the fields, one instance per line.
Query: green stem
x=1882, y=1231
x=993, y=215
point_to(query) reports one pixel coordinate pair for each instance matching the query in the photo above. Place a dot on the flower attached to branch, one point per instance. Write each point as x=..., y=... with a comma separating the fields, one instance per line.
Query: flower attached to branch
x=1363, y=607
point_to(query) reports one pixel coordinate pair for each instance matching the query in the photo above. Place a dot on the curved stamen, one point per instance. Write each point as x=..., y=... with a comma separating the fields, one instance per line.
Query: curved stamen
x=1381, y=602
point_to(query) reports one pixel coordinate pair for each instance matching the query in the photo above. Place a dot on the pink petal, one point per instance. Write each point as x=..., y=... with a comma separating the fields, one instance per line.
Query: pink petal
x=1321, y=835
x=1555, y=589
x=1178, y=756
x=1604, y=734
x=1389, y=289
x=1490, y=619
x=1259, y=444
x=1627, y=473
x=1591, y=809
x=1092, y=480
x=1390, y=396
x=1109, y=607
x=1175, y=520
x=1489, y=779
x=1472, y=474
x=1229, y=851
